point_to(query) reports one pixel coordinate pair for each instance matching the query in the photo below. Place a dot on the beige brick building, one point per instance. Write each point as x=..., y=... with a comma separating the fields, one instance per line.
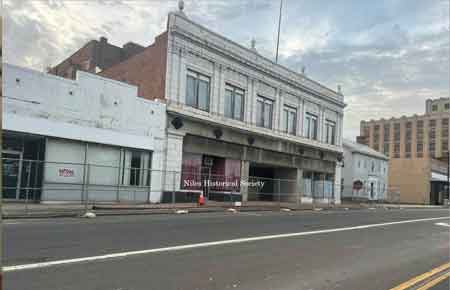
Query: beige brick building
x=418, y=148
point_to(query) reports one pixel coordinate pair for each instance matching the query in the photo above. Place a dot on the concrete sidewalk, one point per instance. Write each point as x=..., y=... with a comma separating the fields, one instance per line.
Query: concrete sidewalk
x=51, y=210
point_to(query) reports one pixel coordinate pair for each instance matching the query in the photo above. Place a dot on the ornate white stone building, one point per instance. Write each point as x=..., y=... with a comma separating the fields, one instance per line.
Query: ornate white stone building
x=234, y=113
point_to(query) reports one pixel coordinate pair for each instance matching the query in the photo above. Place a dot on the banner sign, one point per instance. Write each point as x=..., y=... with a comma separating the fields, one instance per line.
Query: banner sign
x=234, y=184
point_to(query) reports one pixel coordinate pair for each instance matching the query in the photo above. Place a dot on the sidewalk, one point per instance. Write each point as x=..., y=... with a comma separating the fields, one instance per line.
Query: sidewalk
x=52, y=210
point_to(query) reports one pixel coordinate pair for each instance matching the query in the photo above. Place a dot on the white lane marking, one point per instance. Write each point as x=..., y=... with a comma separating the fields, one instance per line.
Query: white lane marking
x=443, y=224
x=207, y=244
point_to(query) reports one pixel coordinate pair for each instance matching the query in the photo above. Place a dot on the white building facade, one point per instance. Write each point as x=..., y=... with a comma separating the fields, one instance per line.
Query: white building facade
x=239, y=114
x=71, y=140
x=365, y=173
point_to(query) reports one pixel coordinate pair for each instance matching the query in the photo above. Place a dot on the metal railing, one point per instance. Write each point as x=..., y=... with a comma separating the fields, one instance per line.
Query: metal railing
x=366, y=194
x=31, y=184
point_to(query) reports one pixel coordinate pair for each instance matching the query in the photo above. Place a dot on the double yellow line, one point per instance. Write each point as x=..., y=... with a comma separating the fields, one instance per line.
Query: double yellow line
x=434, y=281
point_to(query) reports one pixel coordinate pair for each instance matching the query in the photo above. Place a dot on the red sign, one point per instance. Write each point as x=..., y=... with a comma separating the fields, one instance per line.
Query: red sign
x=66, y=172
x=357, y=185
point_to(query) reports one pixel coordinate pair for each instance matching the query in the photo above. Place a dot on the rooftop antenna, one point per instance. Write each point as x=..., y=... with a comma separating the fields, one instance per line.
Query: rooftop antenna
x=278, y=37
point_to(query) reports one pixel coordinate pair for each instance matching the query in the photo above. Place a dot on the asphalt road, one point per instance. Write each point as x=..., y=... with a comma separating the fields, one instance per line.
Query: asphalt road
x=369, y=258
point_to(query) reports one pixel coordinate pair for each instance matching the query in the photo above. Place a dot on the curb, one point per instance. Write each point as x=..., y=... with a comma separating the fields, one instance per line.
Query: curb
x=143, y=211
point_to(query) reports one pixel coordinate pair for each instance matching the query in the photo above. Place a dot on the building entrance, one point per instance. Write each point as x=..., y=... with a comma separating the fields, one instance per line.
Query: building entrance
x=12, y=173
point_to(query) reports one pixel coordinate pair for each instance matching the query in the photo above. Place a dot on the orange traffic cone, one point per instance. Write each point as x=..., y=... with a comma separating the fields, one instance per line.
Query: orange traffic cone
x=201, y=199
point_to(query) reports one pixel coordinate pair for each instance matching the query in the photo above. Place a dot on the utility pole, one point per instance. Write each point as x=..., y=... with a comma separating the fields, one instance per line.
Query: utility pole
x=279, y=25
x=448, y=176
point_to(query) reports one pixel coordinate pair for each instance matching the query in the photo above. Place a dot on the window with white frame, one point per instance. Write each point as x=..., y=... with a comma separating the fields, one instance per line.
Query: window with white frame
x=136, y=167
x=330, y=130
x=264, y=112
x=197, y=90
x=234, y=102
x=311, y=126
x=290, y=120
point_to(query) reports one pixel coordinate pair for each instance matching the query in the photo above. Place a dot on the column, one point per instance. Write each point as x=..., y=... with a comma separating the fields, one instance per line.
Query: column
x=299, y=191
x=337, y=183
x=171, y=177
x=245, y=171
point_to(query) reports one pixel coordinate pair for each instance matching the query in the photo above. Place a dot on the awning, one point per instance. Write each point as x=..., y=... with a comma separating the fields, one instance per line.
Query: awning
x=44, y=127
x=435, y=176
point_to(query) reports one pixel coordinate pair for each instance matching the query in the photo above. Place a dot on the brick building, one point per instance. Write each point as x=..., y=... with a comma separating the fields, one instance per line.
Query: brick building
x=437, y=105
x=237, y=115
x=95, y=56
x=418, y=148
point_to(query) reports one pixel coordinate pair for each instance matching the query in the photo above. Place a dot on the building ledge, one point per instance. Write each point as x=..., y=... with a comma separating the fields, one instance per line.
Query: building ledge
x=246, y=127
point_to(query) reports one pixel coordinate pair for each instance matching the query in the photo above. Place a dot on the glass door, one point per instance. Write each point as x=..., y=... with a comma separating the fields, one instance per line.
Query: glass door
x=12, y=172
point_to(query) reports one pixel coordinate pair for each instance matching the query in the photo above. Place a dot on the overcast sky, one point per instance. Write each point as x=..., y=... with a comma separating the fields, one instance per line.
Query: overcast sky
x=388, y=55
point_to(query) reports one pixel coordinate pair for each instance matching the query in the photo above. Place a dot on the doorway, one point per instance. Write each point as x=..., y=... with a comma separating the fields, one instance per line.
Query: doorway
x=371, y=190
x=12, y=173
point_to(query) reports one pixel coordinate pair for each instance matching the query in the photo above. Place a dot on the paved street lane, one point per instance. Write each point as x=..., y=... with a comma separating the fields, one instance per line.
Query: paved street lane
x=371, y=258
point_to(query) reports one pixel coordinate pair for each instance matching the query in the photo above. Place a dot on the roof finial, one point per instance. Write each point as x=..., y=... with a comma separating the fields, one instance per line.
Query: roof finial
x=339, y=89
x=181, y=5
x=303, y=69
x=253, y=44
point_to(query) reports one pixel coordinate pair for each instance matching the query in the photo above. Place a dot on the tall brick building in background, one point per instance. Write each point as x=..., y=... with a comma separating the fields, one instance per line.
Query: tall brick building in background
x=418, y=147
x=95, y=56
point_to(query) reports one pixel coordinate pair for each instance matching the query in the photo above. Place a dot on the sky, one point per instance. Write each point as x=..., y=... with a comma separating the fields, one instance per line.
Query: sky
x=389, y=56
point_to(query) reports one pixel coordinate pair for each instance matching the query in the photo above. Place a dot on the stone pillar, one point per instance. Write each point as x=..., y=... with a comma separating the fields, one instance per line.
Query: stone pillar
x=299, y=191
x=174, y=157
x=337, y=183
x=245, y=170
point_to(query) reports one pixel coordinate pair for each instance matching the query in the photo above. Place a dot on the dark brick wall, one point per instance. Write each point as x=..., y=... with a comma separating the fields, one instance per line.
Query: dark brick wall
x=95, y=54
x=146, y=70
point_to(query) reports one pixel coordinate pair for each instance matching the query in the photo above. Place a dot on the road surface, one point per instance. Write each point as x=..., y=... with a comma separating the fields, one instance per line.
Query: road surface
x=352, y=250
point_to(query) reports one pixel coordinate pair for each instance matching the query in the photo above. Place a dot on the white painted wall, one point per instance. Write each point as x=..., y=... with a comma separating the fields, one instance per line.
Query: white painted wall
x=358, y=166
x=88, y=109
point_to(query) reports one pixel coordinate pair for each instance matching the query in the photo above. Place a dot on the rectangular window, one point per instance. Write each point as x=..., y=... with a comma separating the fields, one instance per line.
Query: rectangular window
x=419, y=150
x=386, y=132
x=444, y=129
x=234, y=103
x=311, y=126
x=408, y=150
x=264, y=112
x=376, y=134
x=432, y=148
x=397, y=150
x=444, y=147
x=386, y=149
x=290, y=120
x=397, y=132
x=330, y=130
x=136, y=167
x=408, y=132
x=197, y=90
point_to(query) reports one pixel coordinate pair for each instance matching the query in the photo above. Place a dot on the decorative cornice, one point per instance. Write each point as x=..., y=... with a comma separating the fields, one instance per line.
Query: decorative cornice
x=310, y=86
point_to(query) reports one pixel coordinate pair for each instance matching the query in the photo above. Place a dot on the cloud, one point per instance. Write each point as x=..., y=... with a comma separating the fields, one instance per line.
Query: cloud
x=389, y=56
